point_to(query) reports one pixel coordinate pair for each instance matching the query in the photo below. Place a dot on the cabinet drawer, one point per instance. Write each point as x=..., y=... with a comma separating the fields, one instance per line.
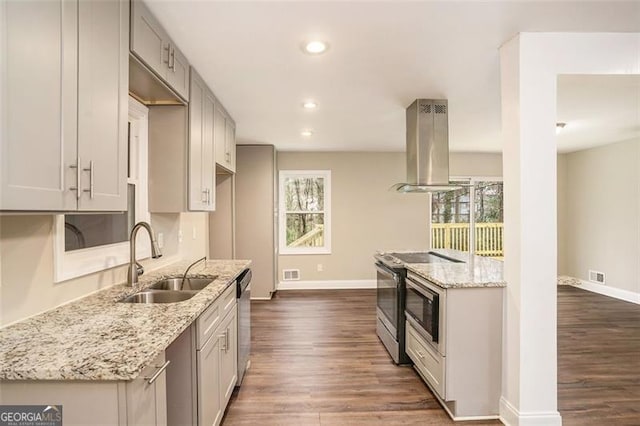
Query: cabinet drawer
x=228, y=299
x=428, y=362
x=209, y=320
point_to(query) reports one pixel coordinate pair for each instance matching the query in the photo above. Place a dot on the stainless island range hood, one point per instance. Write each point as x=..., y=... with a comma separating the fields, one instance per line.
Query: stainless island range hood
x=427, y=147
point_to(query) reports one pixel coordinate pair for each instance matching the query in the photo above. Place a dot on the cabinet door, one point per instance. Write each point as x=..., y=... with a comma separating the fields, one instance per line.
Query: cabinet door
x=230, y=145
x=149, y=41
x=178, y=72
x=208, y=154
x=146, y=396
x=103, y=84
x=39, y=94
x=219, y=135
x=229, y=357
x=208, y=364
x=197, y=192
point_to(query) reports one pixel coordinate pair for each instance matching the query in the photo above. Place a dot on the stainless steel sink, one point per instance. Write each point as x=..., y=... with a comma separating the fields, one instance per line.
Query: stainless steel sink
x=155, y=296
x=177, y=284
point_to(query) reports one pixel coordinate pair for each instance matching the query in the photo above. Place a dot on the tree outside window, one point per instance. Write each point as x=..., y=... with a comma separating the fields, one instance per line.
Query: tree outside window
x=304, y=212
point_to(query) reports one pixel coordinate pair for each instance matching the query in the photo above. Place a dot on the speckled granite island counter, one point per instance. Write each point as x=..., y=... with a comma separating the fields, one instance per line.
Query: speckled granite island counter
x=98, y=338
x=484, y=272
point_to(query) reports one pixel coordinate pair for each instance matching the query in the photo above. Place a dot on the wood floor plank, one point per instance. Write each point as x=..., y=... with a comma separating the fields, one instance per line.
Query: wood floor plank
x=316, y=360
x=598, y=359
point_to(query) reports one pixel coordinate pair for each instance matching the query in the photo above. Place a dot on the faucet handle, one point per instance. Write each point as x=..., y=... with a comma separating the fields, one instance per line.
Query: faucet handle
x=139, y=268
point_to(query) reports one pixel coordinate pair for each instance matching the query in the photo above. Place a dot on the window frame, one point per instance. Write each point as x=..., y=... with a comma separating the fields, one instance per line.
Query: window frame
x=77, y=263
x=282, y=215
x=472, y=180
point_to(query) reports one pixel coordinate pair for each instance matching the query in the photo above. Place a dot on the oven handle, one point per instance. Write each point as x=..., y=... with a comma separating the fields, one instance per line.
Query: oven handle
x=423, y=291
x=387, y=272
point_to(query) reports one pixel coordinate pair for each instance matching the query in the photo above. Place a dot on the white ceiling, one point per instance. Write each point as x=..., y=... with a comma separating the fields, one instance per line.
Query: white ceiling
x=598, y=109
x=382, y=56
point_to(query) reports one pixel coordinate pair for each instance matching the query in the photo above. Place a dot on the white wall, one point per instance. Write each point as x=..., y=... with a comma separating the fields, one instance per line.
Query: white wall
x=602, y=214
x=26, y=261
x=366, y=216
x=530, y=65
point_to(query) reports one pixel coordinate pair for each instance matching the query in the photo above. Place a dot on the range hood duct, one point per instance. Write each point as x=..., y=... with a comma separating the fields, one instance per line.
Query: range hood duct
x=427, y=147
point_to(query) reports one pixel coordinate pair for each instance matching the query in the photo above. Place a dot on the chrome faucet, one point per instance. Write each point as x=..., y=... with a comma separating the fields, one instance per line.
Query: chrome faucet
x=184, y=276
x=136, y=268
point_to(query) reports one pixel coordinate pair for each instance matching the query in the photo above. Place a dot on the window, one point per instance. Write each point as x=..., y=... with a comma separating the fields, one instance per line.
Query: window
x=452, y=219
x=305, y=212
x=87, y=243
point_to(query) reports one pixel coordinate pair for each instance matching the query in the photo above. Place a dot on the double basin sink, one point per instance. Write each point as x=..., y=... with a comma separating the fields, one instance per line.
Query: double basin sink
x=170, y=290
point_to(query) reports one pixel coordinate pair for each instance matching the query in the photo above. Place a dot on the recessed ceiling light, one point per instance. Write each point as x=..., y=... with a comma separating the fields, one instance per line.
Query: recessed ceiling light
x=315, y=47
x=309, y=105
x=560, y=126
x=307, y=133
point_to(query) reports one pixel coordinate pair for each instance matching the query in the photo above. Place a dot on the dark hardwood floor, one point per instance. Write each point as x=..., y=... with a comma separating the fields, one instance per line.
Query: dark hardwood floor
x=316, y=360
x=598, y=359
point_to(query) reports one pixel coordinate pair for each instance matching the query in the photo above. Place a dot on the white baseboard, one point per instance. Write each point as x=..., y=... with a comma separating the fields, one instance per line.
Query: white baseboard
x=616, y=293
x=510, y=416
x=326, y=285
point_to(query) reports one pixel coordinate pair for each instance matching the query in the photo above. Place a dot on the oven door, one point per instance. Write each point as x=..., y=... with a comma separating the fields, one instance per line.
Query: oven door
x=422, y=306
x=388, y=284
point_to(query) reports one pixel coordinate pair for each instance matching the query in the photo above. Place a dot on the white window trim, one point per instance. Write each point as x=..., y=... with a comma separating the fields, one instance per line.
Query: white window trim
x=68, y=265
x=326, y=249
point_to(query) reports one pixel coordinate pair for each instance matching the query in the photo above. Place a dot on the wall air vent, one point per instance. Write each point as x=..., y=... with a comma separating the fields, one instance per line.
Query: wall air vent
x=290, y=274
x=596, y=277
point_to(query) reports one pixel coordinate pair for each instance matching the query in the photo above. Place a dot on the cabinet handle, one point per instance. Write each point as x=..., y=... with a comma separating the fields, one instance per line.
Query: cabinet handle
x=173, y=60
x=205, y=196
x=158, y=372
x=78, y=177
x=224, y=345
x=90, y=170
x=168, y=61
x=226, y=340
x=228, y=156
x=420, y=354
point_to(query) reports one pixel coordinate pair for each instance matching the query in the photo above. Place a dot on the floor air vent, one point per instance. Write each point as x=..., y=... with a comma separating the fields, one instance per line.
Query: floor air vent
x=596, y=277
x=290, y=274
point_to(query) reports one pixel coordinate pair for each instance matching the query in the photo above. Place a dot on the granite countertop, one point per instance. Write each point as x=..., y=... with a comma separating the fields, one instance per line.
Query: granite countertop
x=97, y=338
x=484, y=272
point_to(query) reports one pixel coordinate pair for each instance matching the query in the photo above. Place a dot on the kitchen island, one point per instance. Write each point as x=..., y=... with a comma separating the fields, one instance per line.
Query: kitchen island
x=453, y=327
x=99, y=357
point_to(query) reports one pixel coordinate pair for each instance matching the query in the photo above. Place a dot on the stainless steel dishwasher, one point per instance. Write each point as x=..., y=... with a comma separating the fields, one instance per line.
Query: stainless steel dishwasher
x=243, y=295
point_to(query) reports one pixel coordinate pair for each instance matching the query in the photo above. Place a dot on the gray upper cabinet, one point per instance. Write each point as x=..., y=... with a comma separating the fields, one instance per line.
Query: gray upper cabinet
x=181, y=153
x=202, y=176
x=225, y=139
x=152, y=45
x=103, y=80
x=65, y=98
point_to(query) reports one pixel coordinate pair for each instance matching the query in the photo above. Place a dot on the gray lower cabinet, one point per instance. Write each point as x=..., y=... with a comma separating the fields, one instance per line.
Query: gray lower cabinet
x=203, y=370
x=65, y=92
x=138, y=402
x=465, y=371
x=228, y=356
x=152, y=45
x=208, y=358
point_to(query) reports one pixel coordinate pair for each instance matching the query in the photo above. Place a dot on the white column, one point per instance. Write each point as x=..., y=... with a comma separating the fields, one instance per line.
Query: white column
x=530, y=64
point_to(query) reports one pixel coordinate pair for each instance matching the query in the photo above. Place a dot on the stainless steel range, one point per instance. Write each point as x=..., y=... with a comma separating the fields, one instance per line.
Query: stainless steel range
x=391, y=298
